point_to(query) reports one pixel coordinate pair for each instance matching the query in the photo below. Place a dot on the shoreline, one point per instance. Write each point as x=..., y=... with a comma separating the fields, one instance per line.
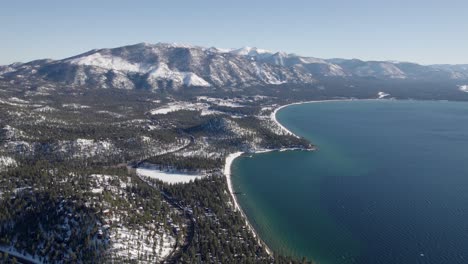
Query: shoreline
x=227, y=173
x=273, y=114
x=231, y=157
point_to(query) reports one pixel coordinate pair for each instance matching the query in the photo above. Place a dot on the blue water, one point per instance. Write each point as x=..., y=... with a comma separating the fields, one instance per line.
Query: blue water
x=389, y=184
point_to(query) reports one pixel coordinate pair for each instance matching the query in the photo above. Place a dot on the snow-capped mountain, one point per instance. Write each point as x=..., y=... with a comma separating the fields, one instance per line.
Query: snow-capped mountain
x=174, y=66
x=159, y=66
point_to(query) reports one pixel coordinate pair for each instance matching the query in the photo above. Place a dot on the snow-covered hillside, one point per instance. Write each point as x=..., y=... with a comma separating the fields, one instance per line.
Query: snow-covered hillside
x=161, y=66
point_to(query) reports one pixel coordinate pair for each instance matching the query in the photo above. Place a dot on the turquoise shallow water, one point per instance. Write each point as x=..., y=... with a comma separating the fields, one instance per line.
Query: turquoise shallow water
x=389, y=184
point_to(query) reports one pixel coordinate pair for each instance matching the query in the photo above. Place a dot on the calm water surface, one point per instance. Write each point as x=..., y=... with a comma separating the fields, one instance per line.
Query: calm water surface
x=389, y=184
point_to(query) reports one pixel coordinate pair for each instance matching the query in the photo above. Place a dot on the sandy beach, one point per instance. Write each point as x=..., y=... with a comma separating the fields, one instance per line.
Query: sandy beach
x=227, y=172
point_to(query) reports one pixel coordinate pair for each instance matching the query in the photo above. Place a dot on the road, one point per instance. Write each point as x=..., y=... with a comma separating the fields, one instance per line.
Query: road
x=19, y=259
x=191, y=226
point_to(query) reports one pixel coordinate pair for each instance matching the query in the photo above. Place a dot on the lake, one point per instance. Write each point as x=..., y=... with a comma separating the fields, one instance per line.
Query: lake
x=389, y=183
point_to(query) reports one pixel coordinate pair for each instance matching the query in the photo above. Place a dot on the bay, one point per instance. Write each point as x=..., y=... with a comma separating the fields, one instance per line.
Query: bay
x=389, y=183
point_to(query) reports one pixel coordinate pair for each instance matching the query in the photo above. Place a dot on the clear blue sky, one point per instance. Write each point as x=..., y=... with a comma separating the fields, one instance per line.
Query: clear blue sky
x=427, y=32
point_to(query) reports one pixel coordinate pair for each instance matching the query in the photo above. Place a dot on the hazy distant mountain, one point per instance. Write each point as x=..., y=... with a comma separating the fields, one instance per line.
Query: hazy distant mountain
x=456, y=71
x=172, y=66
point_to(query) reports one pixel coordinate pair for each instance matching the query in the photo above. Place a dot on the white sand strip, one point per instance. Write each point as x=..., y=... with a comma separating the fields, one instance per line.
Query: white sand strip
x=273, y=114
x=227, y=172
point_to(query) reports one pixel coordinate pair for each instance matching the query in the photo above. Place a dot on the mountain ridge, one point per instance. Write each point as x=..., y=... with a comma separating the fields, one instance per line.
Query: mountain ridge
x=175, y=66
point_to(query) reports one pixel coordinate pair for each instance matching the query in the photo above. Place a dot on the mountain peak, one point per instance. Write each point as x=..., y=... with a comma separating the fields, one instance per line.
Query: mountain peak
x=250, y=51
x=176, y=45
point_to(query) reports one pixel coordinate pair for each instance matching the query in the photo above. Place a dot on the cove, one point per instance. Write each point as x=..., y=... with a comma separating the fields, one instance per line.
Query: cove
x=389, y=183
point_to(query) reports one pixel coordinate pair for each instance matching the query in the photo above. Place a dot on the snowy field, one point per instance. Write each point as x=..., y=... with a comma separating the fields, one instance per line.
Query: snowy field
x=167, y=176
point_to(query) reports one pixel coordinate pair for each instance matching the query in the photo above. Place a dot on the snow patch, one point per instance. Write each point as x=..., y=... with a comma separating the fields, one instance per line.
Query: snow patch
x=75, y=106
x=177, y=106
x=10, y=132
x=17, y=100
x=19, y=147
x=392, y=71
x=116, y=115
x=220, y=102
x=170, y=176
x=86, y=148
x=11, y=103
x=266, y=75
x=45, y=109
x=7, y=162
x=382, y=95
x=107, y=62
x=191, y=79
x=186, y=78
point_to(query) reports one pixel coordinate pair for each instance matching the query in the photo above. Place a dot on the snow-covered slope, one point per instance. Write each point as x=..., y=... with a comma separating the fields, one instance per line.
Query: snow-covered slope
x=164, y=73
x=107, y=61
